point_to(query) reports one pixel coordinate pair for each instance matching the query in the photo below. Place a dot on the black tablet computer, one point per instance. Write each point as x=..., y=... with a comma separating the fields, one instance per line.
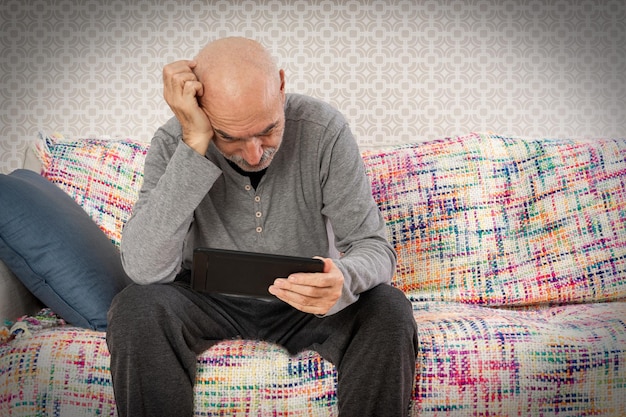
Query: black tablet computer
x=244, y=273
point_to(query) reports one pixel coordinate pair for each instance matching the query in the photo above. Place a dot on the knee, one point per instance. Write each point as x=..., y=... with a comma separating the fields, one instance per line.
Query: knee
x=390, y=309
x=388, y=301
x=135, y=304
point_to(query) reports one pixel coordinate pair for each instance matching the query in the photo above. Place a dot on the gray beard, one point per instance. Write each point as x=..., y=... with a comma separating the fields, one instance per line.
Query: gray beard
x=266, y=159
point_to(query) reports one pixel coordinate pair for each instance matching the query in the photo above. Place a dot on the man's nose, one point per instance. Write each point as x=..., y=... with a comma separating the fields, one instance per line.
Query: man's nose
x=252, y=151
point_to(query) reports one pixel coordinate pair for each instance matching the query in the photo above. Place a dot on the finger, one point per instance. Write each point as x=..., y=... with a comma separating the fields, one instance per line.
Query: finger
x=193, y=88
x=328, y=263
x=317, y=280
x=325, y=279
x=306, y=294
x=175, y=68
x=176, y=82
x=298, y=301
x=177, y=73
x=182, y=89
x=180, y=65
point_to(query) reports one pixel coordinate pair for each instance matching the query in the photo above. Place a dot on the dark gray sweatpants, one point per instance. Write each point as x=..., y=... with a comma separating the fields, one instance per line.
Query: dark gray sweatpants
x=156, y=331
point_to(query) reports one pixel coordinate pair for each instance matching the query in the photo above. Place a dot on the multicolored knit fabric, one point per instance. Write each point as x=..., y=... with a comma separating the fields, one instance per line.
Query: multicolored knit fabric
x=244, y=378
x=56, y=372
x=103, y=176
x=25, y=326
x=565, y=361
x=65, y=372
x=489, y=220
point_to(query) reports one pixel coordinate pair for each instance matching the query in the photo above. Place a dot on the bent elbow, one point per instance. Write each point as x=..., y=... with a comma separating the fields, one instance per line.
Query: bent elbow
x=144, y=273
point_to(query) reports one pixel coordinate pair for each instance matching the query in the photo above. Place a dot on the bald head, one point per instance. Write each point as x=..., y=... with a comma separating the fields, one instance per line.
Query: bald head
x=233, y=68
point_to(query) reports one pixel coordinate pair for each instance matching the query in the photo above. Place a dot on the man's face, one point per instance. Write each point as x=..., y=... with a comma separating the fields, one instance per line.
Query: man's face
x=249, y=131
x=254, y=149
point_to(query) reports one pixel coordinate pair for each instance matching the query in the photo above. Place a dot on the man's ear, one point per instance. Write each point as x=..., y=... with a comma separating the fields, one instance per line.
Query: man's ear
x=281, y=73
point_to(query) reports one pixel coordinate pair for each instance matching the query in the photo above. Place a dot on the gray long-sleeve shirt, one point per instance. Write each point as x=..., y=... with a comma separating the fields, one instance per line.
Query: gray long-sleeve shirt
x=315, y=188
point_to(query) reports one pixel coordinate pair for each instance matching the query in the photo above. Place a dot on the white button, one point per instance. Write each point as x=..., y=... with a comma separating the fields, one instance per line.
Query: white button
x=259, y=229
x=258, y=214
x=257, y=198
x=248, y=187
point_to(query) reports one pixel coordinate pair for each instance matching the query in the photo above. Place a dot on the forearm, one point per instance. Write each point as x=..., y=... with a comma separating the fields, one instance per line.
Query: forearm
x=368, y=263
x=359, y=229
x=153, y=238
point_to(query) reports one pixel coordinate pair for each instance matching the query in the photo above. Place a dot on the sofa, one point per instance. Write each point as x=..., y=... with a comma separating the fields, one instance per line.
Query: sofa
x=512, y=251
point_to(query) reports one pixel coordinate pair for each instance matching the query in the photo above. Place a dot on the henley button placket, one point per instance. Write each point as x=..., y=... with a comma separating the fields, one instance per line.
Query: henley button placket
x=258, y=214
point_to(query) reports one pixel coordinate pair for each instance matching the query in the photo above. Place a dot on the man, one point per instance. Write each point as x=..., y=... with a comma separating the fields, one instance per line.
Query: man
x=245, y=166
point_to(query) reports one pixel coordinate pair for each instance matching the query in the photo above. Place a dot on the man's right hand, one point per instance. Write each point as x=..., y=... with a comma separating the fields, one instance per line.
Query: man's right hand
x=181, y=90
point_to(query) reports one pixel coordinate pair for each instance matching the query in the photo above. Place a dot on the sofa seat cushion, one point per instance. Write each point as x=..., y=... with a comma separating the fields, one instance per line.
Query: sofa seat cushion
x=65, y=371
x=244, y=377
x=492, y=220
x=549, y=361
x=472, y=360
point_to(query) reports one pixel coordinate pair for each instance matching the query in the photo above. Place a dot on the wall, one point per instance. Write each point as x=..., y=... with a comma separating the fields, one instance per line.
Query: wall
x=400, y=70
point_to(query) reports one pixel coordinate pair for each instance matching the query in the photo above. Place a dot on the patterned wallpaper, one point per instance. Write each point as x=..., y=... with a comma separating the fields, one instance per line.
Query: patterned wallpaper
x=401, y=71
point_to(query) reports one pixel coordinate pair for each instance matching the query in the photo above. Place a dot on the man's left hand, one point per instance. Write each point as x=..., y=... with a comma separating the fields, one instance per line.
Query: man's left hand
x=313, y=293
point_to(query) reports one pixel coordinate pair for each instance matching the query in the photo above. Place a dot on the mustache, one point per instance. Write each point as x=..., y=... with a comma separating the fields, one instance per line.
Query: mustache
x=266, y=158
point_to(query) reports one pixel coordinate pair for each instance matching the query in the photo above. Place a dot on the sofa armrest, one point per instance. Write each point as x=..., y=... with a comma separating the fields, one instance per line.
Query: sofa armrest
x=31, y=161
x=15, y=299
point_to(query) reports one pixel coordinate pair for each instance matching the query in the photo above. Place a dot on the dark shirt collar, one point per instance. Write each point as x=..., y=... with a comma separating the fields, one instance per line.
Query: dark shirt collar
x=255, y=177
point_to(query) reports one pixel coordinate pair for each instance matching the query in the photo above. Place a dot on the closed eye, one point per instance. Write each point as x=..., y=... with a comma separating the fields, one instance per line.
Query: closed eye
x=225, y=137
x=228, y=138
